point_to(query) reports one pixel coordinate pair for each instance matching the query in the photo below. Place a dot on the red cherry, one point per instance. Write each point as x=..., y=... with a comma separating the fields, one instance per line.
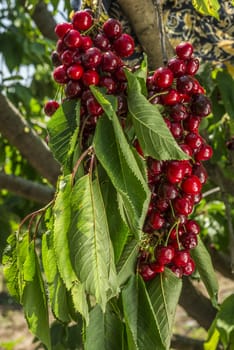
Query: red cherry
x=82, y=20
x=92, y=57
x=109, y=84
x=183, y=206
x=177, y=270
x=193, y=140
x=189, y=268
x=164, y=255
x=124, y=45
x=192, y=66
x=112, y=28
x=163, y=77
x=168, y=191
x=60, y=75
x=192, y=124
x=187, y=150
x=94, y=107
x=162, y=204
x=73, y=39
x=200, y=105
x=177, y=66
x=176, y=130
x=178, y=112
x=192, y=227
x=191, y=185
x=51, y=107
x=87, y=42
x=157, y=268
x=90, y=77
x=184, y=50
x=189, y=240
x=110, y=61
x=67, y=57
x=175, y=171
x=156, y=221
x=120, y=74
x=55, y=59
x=61, y=46
x=102, y=42
x=171, y=98
x=181, y=258
x=146, y=272
x=184, y=84
x=75, y=71
x=62, y=28
x=73, y=89
x=200, y=172
x=204, y=153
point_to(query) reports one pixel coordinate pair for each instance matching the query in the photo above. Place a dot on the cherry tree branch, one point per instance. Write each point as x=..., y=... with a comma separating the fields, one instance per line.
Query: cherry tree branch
x=145, y=23
x=18, y=132
x=44, y=20
x=25, y=188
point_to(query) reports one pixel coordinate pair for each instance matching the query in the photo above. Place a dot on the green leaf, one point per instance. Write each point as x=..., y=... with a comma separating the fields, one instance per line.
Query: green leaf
x=61, y=128
x=151, y=130
x=140, y=316
x=116, y=157
x=207, y=7
x=126, y=266
x=205, y=268
x=164, y=292
x=62, y=219
x=119, y=231
x=226, y=86
x=90, y=245
x=56, y=286
x=34, y=301
x=79, y=299
x=104, y=331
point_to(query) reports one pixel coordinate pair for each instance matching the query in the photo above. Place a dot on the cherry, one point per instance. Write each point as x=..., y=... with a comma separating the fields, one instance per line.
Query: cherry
x=163, y=77
x=183, y=205
x=186, y=149
x=157, y=267
x=109, y=84
x=102, y=42
x=177, y=270
x=171, y=98
x=146, y=272
x=191, y=185
x=87, y=42
x=184, y=84
x=156, y=220
x=60, y=74
x=61, y=47
x=110, y=62
x=178, y=112
x=112, y=28
x=164, y=255
x=155, y=166
x=200, y=105
x=124, y=45
x=73, y=89
x=63, y=28
x=184, y=50
x=73, y=39
x=75, y=71
x=122, y=105
x=94, y=107
x=168, y=191
x=189, y=240
x=162, y=204
x=177, y=66
x=181, y=258
x=92, y=57
x=200, y=172
x=189, y=268
x=51, y=107
x=138, y=148
x=175, y=171
x=176, y=130
x=192, y=227
x=193, y=140
x=204, y=153
x=192, y=123
x=192, y=66
x=120, y=74
x=55, y=59
x=67, y=57
x=90, y=77
x=82, y=20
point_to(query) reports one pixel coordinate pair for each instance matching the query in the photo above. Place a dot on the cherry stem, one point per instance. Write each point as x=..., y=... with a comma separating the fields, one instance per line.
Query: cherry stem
x=83, y=155
x=157, y=94
x=159, y=10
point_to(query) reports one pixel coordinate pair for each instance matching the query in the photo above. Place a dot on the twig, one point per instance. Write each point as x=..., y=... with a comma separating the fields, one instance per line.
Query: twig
x=158, y=6
x=213, y=190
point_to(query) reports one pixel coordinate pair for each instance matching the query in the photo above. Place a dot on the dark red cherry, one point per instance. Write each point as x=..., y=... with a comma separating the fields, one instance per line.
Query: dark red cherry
x=200, y=172
x=171, y=98
x=93, y=107
x=112, y=28
x=124, y=45
x=82, y=20
x=102, y=42
x=189, y=240
x=90, y=77
x=192, y=66
x=191, y=185
x=177, y=66
x=63, y=28
x=183, y=206
x=200, y=105
x=92, y=57
x=73, y=89
x=192, y=226
x=184, y=84
x=73, y=39
x=51, y=107
x=163, y=77
x=204, y=153
x=109, y=84
x=110, y=61
x=184, y=50
x=164, y=255
x=67, y=57
x=178, y=112
x=60, y=74
x=75, y=71
x=181, y=258
x=189, y=268
x=87, y=42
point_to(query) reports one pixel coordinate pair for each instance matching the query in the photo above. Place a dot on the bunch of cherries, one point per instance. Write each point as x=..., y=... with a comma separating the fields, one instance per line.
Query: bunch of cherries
x=88, y=54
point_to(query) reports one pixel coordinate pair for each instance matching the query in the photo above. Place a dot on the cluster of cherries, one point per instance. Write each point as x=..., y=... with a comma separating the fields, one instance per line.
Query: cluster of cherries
x=88, y=54
x=175, y=185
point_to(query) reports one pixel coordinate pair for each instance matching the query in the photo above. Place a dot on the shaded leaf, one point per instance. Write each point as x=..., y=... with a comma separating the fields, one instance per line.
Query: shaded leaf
x=35, y=303
x=226, y=86
x=205, y=268
x=126, y=266
x=62, y=219
x=164, y=292
x=90, y=245
x=56, y=286
x=104, y=331
x=140, y=316
x=151, y=130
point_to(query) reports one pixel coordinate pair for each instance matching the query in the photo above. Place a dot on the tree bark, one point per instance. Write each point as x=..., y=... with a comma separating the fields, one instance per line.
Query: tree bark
x=197, y=305
x=44, y=20
x=25, y=188
x=143, y=19
x=15, y=128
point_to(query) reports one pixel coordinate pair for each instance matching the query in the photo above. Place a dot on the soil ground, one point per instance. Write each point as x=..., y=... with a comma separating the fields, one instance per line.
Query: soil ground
x=14, y=333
